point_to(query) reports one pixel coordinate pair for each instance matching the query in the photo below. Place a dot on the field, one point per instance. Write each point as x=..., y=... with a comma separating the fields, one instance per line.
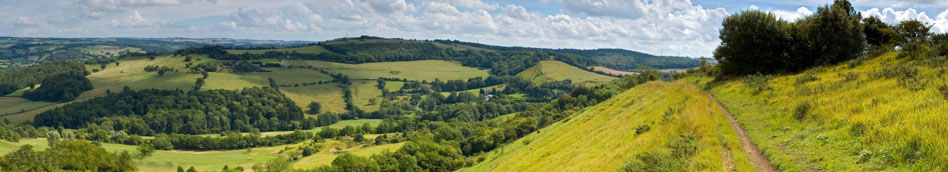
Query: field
x=11, y=105
x=847, y=117
x=413, y=70
x=612, y=71
x=329, y=95
x=315, y=49
x=364, y=92
x=610, y=135
x=550, y=70
x=215, y=160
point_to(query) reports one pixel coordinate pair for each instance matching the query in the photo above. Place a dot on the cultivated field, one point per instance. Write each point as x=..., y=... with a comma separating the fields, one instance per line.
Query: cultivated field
x=550, y=70
x=413, y=70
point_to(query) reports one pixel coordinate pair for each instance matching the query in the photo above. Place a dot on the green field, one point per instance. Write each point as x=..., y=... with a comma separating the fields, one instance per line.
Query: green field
x=329, y=95
x=857, y=120
x=363, y=91
x=604, y=137
x=340, y=124
x=550, y=70
x=413, y=70
x=315, y=49
x=215, y=160
x=11, y=105
x=477, y=91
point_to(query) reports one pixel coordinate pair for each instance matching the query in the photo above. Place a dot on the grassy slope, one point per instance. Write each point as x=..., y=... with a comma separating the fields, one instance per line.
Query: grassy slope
x=550, y=70
x=866, y=124
x=412, y=70
x=11, y=105
x=603, y=137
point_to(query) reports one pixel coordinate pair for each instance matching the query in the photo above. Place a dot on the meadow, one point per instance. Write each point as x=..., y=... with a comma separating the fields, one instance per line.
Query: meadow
x=881, y=113
x=428, y=70
x=647, y=120
x=549, y=70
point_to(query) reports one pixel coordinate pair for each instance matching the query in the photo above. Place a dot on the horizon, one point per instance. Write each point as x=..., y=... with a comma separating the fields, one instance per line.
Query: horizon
x=663, y=28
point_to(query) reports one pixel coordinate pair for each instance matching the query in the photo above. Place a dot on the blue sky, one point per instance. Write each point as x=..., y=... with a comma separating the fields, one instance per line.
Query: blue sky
x=664, y=27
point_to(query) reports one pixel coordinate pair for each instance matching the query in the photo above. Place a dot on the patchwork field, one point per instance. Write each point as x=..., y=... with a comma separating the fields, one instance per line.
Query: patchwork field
x=879, y=114
x=674, y=126
x=163, y=160
x=11, y=105
x=413, y=70
x=550, y=70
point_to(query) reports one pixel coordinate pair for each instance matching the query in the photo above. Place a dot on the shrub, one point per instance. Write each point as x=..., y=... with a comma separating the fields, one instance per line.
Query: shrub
x=802, y=110
x=807, y=78
x=758, y=82
x=642, y=129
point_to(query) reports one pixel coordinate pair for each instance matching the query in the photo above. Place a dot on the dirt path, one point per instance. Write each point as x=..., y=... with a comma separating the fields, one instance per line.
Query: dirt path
x=759, y=160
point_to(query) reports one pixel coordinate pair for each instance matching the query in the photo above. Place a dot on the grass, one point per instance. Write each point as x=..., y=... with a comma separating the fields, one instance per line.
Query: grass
x=363, y=91
x=852, y=118
x=325, y=157
x=477, y=91
x=604, y=137
x=329, y=95
x=340, y=124
x=413, y=70
x=549, y=70
x=163, y=160
x=315, y=49
x=11, y=105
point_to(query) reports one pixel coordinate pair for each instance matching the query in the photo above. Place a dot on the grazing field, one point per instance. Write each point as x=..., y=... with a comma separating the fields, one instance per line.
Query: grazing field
x=366, y=95
x=413, y=70
x=11, y=105
x=881, y=114
x=477, y=91
x=651, y=123
x=329, y=95
x=550, y=70
x=313, y=49
x=340, y=124
x=325, y=156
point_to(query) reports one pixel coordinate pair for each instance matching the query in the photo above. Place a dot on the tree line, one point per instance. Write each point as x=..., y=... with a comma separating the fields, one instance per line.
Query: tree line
x=15, y=79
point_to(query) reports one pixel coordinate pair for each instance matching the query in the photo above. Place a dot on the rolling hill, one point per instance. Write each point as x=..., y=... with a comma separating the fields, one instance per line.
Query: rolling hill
x=880, y=113
x=672, y=124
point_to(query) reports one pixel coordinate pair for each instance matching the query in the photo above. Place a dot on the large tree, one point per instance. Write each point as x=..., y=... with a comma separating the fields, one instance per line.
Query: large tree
x=834, y=33
x=752, y=42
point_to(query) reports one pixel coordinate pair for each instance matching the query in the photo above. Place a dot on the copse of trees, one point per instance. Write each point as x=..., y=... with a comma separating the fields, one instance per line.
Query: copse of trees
x=15, y=79
x=70, y=155
x=757, y=42
x=60, y=88
x=151, y=111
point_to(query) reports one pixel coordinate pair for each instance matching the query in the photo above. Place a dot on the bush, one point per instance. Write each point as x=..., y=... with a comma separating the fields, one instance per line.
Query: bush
x=758, y=82
x=807, y=78
x=802, y=110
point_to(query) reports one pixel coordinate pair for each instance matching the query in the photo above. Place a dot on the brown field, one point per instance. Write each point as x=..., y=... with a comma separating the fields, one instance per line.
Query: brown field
x=613, y=71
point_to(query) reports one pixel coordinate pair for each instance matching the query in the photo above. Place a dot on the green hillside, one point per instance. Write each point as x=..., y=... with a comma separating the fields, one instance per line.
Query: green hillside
x=644, y=123
x=880, y=113
x=549, y=70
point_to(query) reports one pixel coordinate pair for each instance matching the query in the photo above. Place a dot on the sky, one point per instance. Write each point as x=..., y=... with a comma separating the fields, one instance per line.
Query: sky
x=661, y=27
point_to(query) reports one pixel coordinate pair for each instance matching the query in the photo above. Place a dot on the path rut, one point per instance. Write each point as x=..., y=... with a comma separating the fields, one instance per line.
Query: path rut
x=756, y=157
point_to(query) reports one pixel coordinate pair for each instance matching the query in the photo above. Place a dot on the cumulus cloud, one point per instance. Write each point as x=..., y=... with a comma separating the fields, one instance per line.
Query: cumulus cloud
x=793, y=15
x=892, y=16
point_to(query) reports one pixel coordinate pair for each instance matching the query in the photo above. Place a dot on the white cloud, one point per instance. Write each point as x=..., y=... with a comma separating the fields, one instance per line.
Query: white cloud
x=23, y=21
x=891, y=16
x=800, y=13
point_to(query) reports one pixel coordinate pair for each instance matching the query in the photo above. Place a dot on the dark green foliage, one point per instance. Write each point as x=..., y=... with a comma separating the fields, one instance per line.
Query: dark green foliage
x=70, y=155
x=758, y=81
x=15, y=79
x=147, y=112
x=351, y=163
x=60, y=88
x=753, y=42
x=913, y=31
x=877, y=32
x=314, y=108
x=835, y=33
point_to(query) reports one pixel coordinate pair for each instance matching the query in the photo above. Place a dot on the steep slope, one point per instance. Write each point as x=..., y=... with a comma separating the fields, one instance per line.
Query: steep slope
x=550, y=70
x=657, y=125
x=883, y=113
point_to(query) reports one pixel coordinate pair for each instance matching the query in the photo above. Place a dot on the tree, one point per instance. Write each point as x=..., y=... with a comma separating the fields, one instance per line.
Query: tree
x=145, y=150
x=878, y=33
x=198, y=84
x=352, y=163
x=314, y=108
x=752, y=42
x=834, y=33
x=911, y=31
x=60, y=88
